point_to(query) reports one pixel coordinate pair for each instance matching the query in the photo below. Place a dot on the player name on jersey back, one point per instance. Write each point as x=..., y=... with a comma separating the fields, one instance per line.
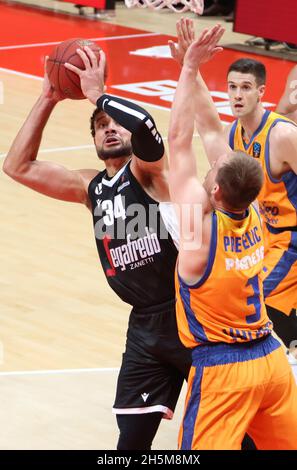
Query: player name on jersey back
x=239, y=244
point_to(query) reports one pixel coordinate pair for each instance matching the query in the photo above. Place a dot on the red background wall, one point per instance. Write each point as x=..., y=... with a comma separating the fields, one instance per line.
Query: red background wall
x=88, y=3
x=270, y=19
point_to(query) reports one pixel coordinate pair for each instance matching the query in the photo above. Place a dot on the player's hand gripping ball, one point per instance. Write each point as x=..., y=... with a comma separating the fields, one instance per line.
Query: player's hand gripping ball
x=64, y=81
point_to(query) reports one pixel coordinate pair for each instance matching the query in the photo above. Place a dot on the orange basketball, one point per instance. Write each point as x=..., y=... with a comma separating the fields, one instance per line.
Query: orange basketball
x=63, y=80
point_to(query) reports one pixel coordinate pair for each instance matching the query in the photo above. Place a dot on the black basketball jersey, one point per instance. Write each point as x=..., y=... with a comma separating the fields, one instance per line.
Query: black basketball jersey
x=136, y=250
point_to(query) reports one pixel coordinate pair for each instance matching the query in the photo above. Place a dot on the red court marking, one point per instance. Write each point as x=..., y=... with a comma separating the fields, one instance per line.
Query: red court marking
x=124, y=68
x=22, y=25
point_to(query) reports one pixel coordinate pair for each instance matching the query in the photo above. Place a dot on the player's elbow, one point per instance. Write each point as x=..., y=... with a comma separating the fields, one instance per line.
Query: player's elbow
x=7, y=168
x=173, y=135
x=11, y=170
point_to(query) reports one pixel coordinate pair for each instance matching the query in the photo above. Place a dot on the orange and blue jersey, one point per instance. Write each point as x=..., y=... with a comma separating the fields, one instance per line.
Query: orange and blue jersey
x=280, y=269
x=239, y=373
x=226, y=304
x=278, y=207
x=278, y=197
x=234, y=389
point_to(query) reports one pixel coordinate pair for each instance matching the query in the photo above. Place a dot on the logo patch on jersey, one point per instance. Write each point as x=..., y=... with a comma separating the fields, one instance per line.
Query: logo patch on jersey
x=256, y=150
x=270, y=211
x=123, y=185
x=145, y=396
x=98, y=189
x=136, y=253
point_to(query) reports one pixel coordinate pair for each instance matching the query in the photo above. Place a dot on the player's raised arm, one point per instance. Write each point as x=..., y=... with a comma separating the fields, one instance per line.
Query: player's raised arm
x=47, y=178
x=182, y=168
x=207, y=119
x=193, y=99
x=288, y=102
x=206, y=116
x=191, y=198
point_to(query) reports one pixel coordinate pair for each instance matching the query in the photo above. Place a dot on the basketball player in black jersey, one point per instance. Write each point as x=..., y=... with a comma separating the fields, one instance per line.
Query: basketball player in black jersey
x=136, y=250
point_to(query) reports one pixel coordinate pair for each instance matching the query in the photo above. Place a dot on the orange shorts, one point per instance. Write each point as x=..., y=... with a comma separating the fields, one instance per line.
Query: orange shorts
x=280, y=269
x=239, y=388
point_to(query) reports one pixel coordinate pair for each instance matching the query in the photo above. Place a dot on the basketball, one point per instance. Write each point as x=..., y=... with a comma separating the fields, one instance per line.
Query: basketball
x=63, y=80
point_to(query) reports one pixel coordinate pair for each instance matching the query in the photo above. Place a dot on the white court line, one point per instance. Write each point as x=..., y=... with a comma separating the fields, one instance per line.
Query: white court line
x=57, y=371
x=67, y=149
x=27, y=75
x=20, y=74
x=145, y=103
x=59, y=149
x=62, y=149
x=111, y=38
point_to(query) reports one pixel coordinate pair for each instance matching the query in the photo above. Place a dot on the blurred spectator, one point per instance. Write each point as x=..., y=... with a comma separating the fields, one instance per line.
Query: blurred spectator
x=290, y=46
x=219, y=7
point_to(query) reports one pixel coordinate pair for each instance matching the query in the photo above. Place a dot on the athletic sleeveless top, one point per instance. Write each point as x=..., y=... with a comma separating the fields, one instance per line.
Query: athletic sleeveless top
x=227, y=303
x=278, y=197
x=136, y=250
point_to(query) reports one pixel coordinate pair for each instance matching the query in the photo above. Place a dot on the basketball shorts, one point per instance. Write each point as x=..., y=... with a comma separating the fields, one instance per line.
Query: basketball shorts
x=240, y=388
x=280, y=269
x=154, y=364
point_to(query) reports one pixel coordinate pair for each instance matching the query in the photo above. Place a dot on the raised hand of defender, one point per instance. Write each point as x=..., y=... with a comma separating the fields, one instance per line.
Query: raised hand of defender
x=185, y=37
x=205, y=47
x=92, y=77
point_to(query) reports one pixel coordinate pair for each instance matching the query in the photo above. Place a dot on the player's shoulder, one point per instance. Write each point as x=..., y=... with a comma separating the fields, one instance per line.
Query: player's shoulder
x=282, y=131
x=227, y=129
x=87, y=176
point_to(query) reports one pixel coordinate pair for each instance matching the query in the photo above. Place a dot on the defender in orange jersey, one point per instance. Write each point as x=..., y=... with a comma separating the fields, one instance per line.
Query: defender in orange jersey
x=240, y=380
x=271, y=139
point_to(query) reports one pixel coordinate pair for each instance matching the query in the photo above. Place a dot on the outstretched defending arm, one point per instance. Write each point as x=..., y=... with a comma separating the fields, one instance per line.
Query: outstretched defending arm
x=206, y=116
x=207, y=119
x=190, y=198
x=186, y=101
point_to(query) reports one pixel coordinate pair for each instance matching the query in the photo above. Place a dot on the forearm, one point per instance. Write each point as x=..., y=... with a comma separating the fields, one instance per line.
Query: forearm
x=25, y=146
x=146, y=141
x=208, y=123
x=206, y=115
x=183, y=182
x=182, y=114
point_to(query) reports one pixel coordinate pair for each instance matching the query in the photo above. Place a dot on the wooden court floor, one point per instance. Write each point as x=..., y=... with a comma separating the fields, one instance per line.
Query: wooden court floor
x=62, y=328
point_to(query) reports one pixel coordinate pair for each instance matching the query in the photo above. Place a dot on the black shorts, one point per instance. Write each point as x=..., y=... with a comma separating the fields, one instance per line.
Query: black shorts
x=154, y=365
